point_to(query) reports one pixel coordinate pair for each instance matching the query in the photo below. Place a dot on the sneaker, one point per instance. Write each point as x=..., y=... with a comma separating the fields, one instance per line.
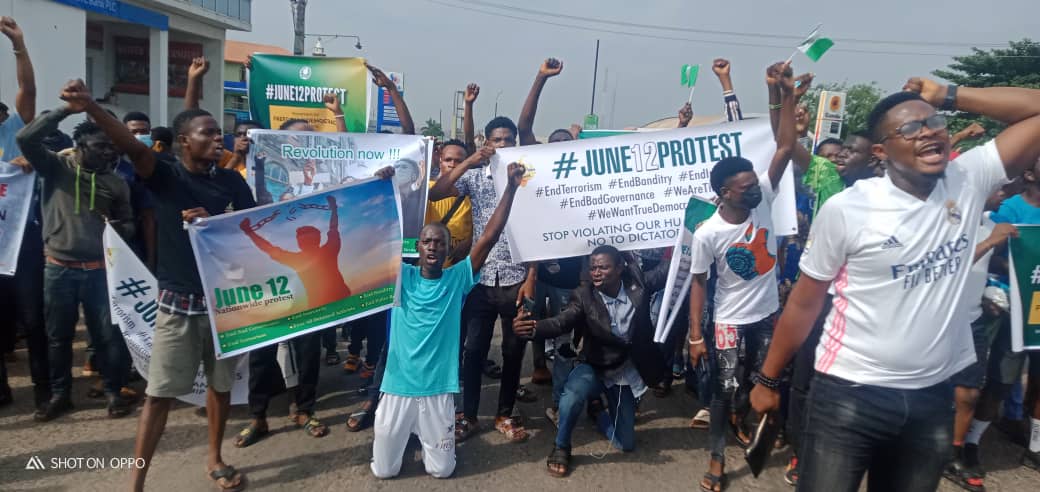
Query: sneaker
x=554, y=416
x=53, y=409
x=791, y=472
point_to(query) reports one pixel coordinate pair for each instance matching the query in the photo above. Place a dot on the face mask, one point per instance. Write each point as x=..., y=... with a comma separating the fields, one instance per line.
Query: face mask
x=751, y=198
x=145, y=139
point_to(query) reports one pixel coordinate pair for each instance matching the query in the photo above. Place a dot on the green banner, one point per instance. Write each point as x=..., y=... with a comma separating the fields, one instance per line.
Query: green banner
x=293, y=87
x=1024, y=252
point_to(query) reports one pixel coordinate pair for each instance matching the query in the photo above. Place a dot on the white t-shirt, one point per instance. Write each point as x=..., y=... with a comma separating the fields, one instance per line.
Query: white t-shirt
x=899, y=265
x=745, y=259
x=971, y=299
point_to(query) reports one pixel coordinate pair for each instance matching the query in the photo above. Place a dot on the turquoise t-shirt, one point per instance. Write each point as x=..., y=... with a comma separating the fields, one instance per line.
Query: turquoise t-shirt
x=423, y=358
x=8, y=129
x=1016, y=210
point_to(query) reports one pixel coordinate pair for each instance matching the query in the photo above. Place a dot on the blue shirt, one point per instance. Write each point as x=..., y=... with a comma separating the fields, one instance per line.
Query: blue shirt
x=1016, y=210
x=8, y=129
x=621, y=311
x=423, y=358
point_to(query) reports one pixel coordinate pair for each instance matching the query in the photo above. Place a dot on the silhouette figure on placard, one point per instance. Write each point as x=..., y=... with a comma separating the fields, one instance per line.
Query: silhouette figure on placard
x=315, y=264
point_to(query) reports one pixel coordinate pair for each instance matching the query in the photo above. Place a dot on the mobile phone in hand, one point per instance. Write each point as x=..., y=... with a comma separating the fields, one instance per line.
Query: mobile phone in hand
x=528, y=304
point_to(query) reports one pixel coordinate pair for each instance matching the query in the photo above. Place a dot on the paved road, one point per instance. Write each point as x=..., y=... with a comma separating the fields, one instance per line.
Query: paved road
x=668, y=456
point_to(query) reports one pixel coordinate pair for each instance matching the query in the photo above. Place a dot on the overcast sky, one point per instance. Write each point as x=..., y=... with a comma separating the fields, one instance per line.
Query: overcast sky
x=441, y=45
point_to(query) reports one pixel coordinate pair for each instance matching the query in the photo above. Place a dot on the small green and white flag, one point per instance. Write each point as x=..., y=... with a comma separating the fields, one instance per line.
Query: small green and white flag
x=688, y=76
x=814, y=46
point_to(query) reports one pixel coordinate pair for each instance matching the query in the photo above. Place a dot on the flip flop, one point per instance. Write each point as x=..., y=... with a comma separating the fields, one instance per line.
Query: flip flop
x=233, y=480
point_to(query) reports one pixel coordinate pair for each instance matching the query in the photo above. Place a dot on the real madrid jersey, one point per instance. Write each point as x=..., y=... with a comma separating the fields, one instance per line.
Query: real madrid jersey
x=898, y=266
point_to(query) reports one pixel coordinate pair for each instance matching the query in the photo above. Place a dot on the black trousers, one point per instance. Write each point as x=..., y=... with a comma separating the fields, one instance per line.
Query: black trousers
x=21, y=302
x=483, y=306
x=802, y=371
x=265, y=376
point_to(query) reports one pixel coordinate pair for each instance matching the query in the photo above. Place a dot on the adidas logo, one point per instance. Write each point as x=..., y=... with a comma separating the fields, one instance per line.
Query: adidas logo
x=35, y=463
x=891, y=242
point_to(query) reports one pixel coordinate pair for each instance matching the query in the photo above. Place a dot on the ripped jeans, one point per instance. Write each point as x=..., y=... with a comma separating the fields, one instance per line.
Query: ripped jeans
x=734, y=369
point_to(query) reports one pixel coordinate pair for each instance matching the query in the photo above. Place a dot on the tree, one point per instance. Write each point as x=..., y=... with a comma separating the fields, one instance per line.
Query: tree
x=1017, y=66
x=432, y=128
x=859, y=100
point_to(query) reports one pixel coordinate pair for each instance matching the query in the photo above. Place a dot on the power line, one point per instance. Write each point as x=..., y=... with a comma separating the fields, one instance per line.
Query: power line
x=722, y=32
x=673, y=38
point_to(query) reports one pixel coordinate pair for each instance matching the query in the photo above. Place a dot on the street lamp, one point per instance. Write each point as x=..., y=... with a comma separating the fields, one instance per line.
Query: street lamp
x=319, y=50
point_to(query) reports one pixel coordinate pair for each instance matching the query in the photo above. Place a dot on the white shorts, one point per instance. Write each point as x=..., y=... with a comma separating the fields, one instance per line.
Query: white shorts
x=432, y=418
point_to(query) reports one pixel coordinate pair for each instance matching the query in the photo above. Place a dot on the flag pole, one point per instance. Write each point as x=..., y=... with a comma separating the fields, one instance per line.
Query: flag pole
x=814, y=30
x=792, y=56
x=690, y=99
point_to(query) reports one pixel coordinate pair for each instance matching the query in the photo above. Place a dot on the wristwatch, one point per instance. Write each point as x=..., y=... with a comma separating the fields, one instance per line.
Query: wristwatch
x=950, y=102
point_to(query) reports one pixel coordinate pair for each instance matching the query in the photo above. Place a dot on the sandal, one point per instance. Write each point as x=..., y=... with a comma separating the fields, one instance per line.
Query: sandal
x=228, y=479
x=352, y=363
x=464, y=428
x=361, y=420
x=313, y=426
x=702, y=420
x=492, y=370
x=367, y=371
x=525, y=395
x=559, y=457
x=743, y=440
x=713, y=483
x=512, y=429
x=332, y=358
x=251, y=435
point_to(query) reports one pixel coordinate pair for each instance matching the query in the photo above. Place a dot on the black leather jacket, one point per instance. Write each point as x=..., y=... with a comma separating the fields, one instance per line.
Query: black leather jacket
x=587, y=317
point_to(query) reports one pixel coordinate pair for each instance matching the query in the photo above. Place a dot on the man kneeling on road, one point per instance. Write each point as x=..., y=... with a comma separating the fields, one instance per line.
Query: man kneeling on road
x=618, y=355
x=422, y=365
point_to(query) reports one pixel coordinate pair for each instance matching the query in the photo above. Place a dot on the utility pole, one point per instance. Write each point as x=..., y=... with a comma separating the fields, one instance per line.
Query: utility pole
x=298, y=8
x=595, y=69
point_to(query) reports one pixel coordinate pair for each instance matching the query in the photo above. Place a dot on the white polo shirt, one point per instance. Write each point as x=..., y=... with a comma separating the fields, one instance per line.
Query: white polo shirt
x=899, y=265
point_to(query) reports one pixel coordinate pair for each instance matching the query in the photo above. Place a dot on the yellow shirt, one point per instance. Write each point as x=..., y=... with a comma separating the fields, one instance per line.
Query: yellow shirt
x=460, y=224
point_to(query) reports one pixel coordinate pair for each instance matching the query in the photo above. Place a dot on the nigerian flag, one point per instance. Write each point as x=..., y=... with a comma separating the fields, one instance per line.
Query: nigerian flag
x=814, y=46
x=688, y=75
x=678, y=283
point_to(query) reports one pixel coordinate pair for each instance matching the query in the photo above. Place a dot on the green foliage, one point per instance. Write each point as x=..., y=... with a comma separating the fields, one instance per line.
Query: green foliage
x=859, y=100
x=432, y=129
x=1018, y=66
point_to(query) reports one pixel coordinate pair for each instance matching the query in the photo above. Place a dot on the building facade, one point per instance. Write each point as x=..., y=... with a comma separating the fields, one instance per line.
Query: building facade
x=133, y=55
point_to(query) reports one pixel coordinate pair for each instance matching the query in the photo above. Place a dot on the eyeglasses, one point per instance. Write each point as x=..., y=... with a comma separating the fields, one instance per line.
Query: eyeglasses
x=911, y=129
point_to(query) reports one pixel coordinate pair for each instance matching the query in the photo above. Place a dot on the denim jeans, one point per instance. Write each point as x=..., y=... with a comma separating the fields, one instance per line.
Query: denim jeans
x=733, y=375
x=617, y=423
x=64, y=289
x=900, y=438
x=557, y=298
